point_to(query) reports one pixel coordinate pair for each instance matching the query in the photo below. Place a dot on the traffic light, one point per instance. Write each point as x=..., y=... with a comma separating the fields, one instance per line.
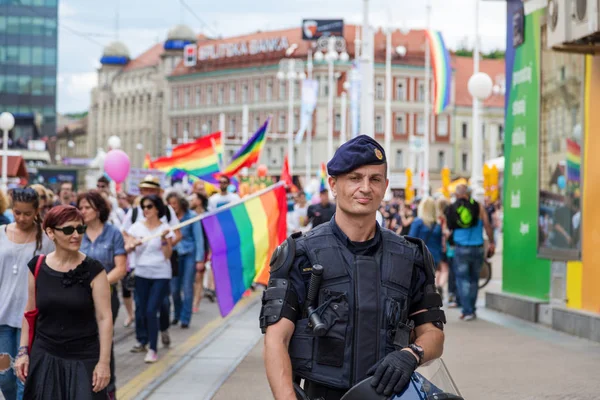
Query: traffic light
x=408, y=189
x=189, y=55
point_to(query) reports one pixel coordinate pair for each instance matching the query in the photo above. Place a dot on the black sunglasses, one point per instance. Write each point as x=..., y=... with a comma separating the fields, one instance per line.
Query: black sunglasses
x=69, y=230
x=148, y=207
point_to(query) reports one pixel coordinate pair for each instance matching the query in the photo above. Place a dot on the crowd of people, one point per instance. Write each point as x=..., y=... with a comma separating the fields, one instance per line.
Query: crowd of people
x=70, y=260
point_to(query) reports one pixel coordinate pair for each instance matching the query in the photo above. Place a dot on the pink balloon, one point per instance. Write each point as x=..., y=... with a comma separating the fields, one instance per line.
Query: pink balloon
x=116, y=165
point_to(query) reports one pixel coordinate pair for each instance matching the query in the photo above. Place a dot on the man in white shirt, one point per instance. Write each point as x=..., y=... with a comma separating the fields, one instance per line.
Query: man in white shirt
x=223, y=197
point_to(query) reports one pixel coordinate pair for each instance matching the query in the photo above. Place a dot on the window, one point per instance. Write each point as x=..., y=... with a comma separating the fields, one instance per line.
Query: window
x=24, y=55
x=221, y=95
x=500, y=133
x=175, y=98
x=399, y=161
x=269, y=95
x=256, y=91
x=38, y=26
x=442, y=126
x=50, y=27
x=197, y=128
x=186, y=98
x=256, y=123
x=400, y=93
x=297, y=89
x=198, y=96
x=464, y=161
x=232, y=94
x=379, y=91
x=186, y=130
x=441, y=160
x=337, y=123
x=483, y=130
x=296, y=122
x=24, y=84
x=245, y=93
x=421, y=92
x=209, y=95
x=379, y=124
x=37, y=86
x=400, y=125
x=282, y=123
x=175, y=130
x=420, y=124
x=282, y=90
x=232, y=126
x=209, y=127
x=464, y=129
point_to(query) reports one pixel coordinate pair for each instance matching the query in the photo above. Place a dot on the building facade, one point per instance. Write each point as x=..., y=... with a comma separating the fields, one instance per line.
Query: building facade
x=129, y=101
x=28, y=65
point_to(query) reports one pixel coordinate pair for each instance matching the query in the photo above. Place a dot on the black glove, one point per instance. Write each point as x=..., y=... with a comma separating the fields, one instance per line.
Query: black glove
x=393, y=373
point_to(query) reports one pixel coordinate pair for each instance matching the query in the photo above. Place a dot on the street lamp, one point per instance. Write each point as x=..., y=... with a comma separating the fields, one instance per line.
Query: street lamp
x=114, y=142
x=480, y=87
x=335, y=49
x=7, y=122
x=291, y=69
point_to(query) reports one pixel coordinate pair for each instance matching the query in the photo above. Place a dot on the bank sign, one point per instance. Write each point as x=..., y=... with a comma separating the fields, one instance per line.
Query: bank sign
x=242, y=48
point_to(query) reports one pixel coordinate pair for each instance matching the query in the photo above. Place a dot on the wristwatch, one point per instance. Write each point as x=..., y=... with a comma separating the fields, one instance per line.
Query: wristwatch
x=418, y=350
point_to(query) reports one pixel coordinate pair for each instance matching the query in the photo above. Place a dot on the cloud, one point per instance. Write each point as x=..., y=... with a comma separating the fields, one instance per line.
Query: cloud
x=74, y=91
x=65, y=10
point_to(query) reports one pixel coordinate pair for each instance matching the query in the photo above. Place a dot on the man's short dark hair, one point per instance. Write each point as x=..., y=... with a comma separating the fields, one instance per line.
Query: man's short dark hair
x=103, y=179
x=323, y=191
x=226, y=178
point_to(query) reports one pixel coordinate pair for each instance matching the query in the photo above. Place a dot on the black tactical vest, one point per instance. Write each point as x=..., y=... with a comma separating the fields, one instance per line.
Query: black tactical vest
x=362, y=301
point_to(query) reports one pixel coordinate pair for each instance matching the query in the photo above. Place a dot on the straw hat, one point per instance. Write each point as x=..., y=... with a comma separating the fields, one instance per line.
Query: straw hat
x=150, y=182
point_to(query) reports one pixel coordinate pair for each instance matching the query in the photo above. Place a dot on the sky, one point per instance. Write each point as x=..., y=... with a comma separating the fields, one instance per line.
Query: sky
x=85, y=27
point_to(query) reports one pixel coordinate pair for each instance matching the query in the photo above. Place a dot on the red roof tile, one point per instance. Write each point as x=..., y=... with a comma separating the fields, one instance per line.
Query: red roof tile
x=463, y=69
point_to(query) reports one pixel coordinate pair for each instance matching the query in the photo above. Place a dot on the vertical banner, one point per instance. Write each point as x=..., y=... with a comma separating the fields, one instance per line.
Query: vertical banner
x=523, y=272
x=310, y=92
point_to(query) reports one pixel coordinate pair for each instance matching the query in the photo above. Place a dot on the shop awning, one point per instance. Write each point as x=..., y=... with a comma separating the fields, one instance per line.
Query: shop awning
x=16, y=167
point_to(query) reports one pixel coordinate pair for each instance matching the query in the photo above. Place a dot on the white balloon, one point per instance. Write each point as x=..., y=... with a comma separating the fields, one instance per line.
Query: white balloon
x=114, y=142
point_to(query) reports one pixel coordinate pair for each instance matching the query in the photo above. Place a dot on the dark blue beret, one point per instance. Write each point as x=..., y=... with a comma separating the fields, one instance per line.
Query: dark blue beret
x=356, y=152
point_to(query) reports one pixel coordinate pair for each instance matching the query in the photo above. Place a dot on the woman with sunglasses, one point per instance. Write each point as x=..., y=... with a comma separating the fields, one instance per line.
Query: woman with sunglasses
x=103, y=241
x=70, y=356
x=152, y=268
x=19, y=241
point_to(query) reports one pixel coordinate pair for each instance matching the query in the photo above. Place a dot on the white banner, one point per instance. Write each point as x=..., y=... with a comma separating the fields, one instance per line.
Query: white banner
x=310, y=93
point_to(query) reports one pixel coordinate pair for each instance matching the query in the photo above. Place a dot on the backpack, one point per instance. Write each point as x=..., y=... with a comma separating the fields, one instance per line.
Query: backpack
x=134, y=214
x=463, y=214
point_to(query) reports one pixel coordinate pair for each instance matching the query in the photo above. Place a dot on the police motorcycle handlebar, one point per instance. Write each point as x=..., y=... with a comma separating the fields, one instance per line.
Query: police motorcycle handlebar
x=318, y=327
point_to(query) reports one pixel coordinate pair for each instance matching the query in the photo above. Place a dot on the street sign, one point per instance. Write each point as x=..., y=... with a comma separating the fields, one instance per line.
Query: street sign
x=313, y=29
x=190, y=55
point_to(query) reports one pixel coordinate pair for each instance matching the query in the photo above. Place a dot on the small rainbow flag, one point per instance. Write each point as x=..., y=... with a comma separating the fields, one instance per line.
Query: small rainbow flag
x=323, y=177
x=248, y=155
x=442, y=70
x=200, y=158
x=242, y=237
x=573, y=161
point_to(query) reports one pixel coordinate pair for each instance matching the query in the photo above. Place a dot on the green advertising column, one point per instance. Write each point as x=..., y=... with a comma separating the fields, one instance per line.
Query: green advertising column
x=523, y=273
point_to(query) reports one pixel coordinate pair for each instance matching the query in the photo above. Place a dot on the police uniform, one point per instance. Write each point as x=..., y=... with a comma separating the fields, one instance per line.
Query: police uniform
x=367, y=292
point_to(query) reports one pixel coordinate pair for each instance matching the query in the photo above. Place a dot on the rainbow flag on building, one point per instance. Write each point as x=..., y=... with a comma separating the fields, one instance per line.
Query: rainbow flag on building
x=573, y=161
x=200, y=158
x=442, y=70
x=249, y=154
x=323, y=177
x=242, y=238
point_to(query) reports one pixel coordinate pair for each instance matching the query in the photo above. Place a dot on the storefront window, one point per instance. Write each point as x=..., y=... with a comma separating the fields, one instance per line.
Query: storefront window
x=560, y=153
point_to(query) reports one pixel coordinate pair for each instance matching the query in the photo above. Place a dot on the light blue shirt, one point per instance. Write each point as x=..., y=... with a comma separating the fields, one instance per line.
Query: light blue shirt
x=192, y=238
x=109, y=244
x=470, y=236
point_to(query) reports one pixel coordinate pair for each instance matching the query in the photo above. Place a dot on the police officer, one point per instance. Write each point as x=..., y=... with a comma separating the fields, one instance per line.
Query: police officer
x=377, y=302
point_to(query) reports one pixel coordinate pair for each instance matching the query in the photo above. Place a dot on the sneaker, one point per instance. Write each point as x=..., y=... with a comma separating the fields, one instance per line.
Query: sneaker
x=210, y=295
x=165, y=338
x=138, y=348
x=151, y=357
x=184, y=326
x=175, y=321
x=468, y=317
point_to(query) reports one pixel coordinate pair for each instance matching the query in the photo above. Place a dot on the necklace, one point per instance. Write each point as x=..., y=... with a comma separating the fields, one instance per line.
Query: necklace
x=15, y=268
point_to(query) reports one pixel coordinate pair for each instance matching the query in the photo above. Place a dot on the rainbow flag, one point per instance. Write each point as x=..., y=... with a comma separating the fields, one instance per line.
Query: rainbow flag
x=573, y=161
x=248, y=155
x=242, y=238
x=442, y=71
x=200, y=158
x=323, y=177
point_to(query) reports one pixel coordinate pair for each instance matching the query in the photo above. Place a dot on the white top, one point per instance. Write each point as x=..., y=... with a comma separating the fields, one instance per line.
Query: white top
x=149, y=261
x=218, y=200
x=295, y=218
x=14, y=276
x=379, y=218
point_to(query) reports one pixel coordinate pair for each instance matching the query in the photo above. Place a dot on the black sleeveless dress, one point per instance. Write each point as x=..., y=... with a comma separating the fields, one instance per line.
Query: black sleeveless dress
x=66, y=347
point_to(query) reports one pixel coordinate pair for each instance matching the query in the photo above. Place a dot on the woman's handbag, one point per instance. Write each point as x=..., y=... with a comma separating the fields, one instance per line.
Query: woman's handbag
x=31, y=316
